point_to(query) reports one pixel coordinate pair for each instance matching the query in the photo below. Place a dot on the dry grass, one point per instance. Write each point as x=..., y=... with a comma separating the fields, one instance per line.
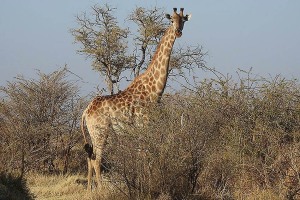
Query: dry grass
x=72, y=187
x=69, y=187
x=56, y=187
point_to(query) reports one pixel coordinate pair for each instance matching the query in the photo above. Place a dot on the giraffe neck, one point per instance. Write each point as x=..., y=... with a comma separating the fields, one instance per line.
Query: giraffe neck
x=160, y=62
x=153, y=81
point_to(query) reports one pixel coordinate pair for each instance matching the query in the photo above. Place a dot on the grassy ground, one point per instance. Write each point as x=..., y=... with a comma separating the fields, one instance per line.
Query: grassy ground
x=73, y=187
x=56, y=187
x=70, y=187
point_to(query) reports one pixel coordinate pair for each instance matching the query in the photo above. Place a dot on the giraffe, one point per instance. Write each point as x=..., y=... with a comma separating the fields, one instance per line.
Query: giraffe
x=105, y=112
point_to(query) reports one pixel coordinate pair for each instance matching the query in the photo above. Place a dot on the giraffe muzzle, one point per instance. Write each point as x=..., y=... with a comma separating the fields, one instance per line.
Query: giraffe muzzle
x=178, y=33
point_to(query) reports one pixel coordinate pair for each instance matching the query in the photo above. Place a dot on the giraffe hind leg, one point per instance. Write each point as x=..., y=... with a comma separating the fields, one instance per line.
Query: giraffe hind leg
x=96, y=161
x=96, y=165
x=90, y=173
x=89, y=149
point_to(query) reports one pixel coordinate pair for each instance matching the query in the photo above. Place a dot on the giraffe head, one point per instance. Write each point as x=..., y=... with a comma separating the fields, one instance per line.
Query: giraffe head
x=178, y=21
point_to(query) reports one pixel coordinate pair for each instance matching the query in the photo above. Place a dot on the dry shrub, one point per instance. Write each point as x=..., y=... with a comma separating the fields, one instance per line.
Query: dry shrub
x=217, y=179
x=259, y=119
x=165, y=156
x=39, y=123
x=222, y=141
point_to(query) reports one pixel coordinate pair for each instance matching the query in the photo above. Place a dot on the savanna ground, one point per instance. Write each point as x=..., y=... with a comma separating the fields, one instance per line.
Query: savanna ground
x=222, y=139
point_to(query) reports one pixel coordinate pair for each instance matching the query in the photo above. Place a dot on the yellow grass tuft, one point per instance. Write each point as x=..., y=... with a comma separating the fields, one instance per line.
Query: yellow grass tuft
x=66, y=187
x=55, y=187
x=259, y=194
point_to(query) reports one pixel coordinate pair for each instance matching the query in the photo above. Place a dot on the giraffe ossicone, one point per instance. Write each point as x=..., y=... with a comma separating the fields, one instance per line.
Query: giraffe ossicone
x=104, y=112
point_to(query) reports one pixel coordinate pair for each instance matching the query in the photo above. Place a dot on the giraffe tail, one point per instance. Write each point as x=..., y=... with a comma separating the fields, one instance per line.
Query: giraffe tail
x=87, y=147
x=82, y=127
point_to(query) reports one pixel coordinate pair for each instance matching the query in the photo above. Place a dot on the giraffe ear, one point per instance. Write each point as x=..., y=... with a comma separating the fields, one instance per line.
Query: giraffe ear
x=187, y=17
x=168, y=16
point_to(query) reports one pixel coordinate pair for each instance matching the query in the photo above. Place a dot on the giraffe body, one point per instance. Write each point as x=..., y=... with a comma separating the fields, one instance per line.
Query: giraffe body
x=105, y=112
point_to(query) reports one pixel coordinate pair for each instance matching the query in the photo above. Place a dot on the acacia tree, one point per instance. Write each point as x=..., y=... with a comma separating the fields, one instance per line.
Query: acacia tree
x=106, y=43
x=103, y=40
x=150, y=27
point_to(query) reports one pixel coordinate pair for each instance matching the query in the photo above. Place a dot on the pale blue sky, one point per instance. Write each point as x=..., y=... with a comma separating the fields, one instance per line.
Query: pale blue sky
x=264, y=35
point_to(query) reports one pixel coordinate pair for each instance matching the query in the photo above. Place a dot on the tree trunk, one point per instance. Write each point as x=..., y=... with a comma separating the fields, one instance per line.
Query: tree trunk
x=110, y=85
